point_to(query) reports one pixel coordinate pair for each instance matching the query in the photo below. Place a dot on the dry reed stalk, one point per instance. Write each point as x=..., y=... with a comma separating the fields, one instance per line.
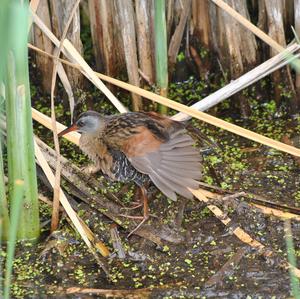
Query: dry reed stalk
x=201, y=21
x=60, y=12
x=34, y=4
x=126, y=17
x=176, y=39
x=143, y=17
x=67, y=86
x=103, y=29
x=276, y=213
x=234, y=41
x=274, y=11
x=169, y=17
x=56, y=188
x=265, y=210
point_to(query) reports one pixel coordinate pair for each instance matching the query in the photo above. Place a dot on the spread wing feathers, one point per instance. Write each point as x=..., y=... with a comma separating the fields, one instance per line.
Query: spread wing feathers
x=173, y=167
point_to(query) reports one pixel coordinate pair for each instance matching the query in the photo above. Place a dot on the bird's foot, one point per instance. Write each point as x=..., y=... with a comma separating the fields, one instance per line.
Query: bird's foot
x=145, y=216
x=144, y=219
x=134, y=206
x=132, y=216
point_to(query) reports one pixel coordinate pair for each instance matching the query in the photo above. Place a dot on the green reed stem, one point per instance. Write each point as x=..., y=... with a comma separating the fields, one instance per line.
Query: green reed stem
x=161, y=52
x=21, y=162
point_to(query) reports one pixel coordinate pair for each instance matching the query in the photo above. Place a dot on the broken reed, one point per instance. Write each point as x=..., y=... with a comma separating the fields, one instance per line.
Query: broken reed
x=161, y=52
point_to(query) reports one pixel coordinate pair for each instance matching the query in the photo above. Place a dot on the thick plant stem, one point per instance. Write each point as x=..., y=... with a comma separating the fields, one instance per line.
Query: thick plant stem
x=161, y=53
x=21, y=162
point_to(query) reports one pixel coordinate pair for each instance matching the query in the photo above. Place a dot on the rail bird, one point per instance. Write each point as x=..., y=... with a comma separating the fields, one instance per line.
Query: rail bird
x=140, y=147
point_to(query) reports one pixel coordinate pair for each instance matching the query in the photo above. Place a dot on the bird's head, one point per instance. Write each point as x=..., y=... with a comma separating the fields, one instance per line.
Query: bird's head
x=89, y=122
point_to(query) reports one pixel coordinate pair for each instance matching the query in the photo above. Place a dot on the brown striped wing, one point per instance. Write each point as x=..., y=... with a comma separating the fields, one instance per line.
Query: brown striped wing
x=173, y=165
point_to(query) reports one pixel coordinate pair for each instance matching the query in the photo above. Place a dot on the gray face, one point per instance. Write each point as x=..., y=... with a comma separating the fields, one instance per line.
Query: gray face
x=88, y=124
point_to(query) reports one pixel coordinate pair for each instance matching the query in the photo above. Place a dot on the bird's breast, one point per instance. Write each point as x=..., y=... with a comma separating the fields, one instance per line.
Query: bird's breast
x=112, y=162
x=98, y=152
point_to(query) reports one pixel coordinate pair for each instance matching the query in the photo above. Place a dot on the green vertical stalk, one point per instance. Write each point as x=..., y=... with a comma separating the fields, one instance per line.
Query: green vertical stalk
x=21, y=163
x=161, y=52
x=3, y=205
x=15, y=213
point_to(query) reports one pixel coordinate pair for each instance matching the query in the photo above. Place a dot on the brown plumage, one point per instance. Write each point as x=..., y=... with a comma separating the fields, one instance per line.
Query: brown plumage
x=136, y=146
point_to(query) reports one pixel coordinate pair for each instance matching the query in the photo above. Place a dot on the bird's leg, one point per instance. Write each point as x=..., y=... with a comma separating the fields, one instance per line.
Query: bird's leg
x=180, y=214
x=145, y=210
x=145, y=216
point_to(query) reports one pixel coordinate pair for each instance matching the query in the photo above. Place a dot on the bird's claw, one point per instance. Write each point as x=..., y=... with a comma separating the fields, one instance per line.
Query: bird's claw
x=133, y=207
x=138, y=226
x=143, y=218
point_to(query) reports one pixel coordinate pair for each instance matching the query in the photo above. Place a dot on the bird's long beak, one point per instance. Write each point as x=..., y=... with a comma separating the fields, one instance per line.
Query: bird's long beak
x=67, y=130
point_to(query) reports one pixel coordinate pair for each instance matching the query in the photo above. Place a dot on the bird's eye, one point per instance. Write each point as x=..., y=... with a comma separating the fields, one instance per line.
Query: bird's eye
x=80, y=123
